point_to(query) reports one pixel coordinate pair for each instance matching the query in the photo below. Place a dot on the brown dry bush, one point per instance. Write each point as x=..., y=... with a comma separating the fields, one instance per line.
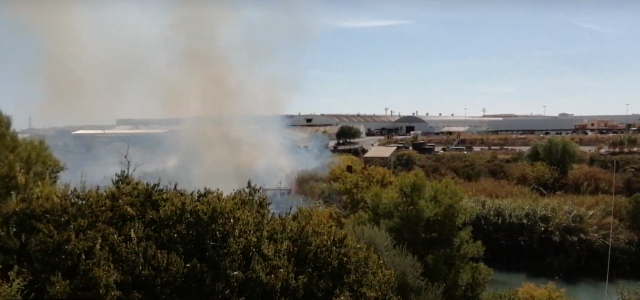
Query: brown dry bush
x=496, y=189
x=467, y=166
x=536, y=176
x=530, y=291
x=586, y=180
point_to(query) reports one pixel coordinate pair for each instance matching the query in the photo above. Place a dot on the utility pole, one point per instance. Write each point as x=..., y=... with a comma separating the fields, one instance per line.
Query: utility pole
x=627, y=117
x=544, y=110
x=465, y=117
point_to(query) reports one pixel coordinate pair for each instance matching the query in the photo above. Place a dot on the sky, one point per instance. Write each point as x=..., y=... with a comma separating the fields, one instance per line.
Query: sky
x=433, y=57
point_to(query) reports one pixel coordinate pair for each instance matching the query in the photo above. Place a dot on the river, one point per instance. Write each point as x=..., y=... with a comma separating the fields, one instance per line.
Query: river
x=585, y=290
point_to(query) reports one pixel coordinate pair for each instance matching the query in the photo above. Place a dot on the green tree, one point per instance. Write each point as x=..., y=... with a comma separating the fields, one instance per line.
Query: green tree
x=427, y=217
x=25, y=163
x=558, y=152
x=347, y=133
x=406, y=267
x=137, y=240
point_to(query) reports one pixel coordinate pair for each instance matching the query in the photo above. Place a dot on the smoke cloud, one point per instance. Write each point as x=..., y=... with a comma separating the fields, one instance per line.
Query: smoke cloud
x=233, y=64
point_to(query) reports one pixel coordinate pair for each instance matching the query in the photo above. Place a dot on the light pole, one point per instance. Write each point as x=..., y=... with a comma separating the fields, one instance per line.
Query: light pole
x=544, y=110
x=627, y=117
x=465, y=117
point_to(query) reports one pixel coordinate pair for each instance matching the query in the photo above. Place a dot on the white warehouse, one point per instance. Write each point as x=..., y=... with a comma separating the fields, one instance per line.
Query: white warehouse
x=562, y=122
x=397, y=124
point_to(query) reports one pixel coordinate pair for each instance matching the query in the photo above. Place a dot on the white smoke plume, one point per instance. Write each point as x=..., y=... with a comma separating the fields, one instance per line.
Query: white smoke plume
x=102, y=60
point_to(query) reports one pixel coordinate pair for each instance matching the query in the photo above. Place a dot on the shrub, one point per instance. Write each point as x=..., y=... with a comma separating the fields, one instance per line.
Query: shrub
x=586, y=180
x=146, y=241
x=354, y=188
x=557, y=152
x=537, y=176
x=552, y=235
x=529, y=291
x=427, y=218
x=13, y=287
x=24, y=163
x=632, y=214
x=406, y=267
x=496, y=189
x=631, y=181
x=408, y=160
x=466, y=166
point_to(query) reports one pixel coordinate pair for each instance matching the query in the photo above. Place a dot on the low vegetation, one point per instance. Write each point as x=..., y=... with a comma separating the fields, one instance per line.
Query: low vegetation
x=433, y=227
x=505, y=140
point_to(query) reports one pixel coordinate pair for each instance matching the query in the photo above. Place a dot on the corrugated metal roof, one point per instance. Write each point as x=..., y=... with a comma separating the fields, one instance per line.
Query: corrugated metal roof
x=120, y=131
x=380, y=151
x=454, y=129
x=315, y=129
x=362, y=118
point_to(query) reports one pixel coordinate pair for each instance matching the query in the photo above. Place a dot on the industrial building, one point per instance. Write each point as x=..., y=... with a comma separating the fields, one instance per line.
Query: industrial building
x=328, y=124
x=562, y=122
x=381, y=156
x=397, y=124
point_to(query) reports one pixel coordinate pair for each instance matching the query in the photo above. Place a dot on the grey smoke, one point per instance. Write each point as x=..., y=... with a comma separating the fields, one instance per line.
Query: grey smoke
x=102, y=60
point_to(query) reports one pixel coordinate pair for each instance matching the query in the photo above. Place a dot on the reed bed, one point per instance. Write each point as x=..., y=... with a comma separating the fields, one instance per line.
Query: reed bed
x=561, y=234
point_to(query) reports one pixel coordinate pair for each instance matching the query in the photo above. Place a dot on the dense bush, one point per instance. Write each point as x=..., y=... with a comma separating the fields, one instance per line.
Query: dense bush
x=406, y=267
x=25, y=163
x=632, y=215
x=465, y=166
x=425, y=217
x=145, y=241
x=558, y=152
x=495, y=189
x=553, y=236
x=587, y=180
x=12, y=287
x=538, y=176
x=529, y=291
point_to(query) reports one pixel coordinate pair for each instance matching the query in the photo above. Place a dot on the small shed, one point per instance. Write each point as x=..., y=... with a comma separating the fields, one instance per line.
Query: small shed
x=381, y=155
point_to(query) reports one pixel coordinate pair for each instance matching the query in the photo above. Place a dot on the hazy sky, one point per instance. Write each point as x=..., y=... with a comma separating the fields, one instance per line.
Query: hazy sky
x=439, y=57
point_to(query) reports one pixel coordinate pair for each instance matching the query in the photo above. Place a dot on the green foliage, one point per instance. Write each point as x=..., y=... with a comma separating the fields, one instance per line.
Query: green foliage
x=427, y=218
x=529, y=291
x=25, y=163
x=13, y=287
x=557, y=152
x=538, y=176
x=408, y=160
x=551, y=236
x=407, y=269
x=347, y=133
x=469, y=167
x=632, y=214
x=146, y=241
